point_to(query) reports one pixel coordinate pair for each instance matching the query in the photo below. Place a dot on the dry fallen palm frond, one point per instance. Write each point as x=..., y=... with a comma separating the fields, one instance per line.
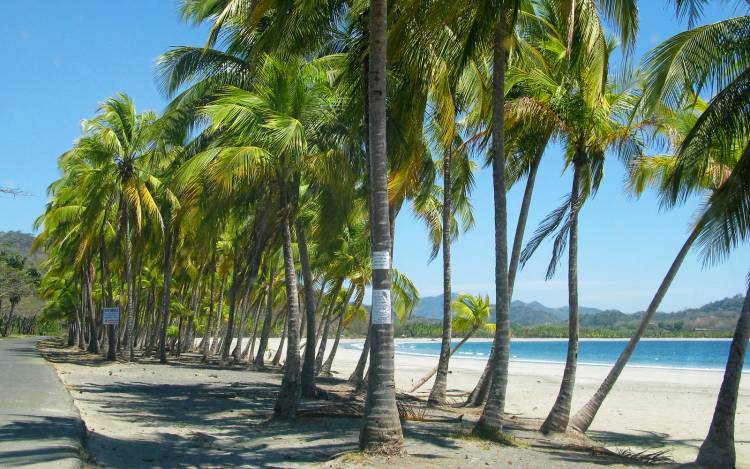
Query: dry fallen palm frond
x=409, y=408
x=341, y=409
x=644, y=457
x=411, y=411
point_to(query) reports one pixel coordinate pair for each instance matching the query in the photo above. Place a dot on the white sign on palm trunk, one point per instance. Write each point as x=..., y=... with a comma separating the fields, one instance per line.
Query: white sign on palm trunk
x=111, y=316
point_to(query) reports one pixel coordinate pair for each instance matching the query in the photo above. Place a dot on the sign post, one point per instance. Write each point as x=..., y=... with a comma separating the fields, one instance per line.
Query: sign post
x=111, y=319
x=111, y=316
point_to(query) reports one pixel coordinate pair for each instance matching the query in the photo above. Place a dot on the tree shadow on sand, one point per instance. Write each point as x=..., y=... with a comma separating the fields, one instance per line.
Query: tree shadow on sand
x=223, y=418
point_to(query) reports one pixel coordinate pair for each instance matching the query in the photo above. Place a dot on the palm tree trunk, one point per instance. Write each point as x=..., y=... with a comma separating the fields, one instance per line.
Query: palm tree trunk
x=129, y=285
x=254, y=260
x=582, y=420
x=290, y=392
x=136, y=288
x=329, y=317
x=93, y=330
x=194, y=305
x=156, y=325
x=308, y=367
x=219, y=316
x=381, y=431
x=277, y=357
x=78, y=318
x=432, y=372
x=228, y=336
x=523, y=217
x=479, y=395
x=245, y=312
x=437, y=395
x=717, y=449
x=71, y=333
x=323, y=342
x=359, y=371
x=206, y=342
x=251, y=343
x=259, y=360
x=490, y=422
x=170, y=234
x=108, y=298
x=326, y=369
x=559, y=415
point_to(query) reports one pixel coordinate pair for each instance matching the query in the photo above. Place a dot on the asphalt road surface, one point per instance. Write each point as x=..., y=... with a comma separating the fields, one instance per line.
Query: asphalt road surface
x=39, y=425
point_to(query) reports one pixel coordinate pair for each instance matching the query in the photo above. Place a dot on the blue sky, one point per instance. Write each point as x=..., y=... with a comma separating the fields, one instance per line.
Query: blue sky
x=63, y=58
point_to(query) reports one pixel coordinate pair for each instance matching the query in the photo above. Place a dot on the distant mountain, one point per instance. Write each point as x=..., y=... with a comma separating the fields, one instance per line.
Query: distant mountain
x=717, y=315
x=20, y=243
x=431, y=307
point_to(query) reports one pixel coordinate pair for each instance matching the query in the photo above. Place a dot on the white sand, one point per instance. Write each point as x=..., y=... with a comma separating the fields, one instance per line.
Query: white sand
x=648, y=407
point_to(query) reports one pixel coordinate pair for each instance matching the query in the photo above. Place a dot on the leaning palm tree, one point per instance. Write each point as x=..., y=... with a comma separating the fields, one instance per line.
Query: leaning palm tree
x=656, y=171
x=714, y=59
x=471, y=314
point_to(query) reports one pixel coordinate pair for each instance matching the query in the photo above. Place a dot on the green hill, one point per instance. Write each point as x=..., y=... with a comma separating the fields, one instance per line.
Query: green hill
x=715, y=319
x=20, y=243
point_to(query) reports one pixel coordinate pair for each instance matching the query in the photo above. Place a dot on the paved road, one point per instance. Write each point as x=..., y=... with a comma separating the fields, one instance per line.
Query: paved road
x=39, y=426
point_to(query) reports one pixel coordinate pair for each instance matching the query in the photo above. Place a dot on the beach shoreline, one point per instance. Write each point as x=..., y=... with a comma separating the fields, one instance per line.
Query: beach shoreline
x=718, y=368
x=649, y=407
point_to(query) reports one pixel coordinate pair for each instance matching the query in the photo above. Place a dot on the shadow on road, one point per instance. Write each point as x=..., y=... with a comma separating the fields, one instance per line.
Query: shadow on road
x=32, y=439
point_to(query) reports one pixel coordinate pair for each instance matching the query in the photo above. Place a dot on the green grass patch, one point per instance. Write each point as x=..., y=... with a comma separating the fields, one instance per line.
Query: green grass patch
x=487, y=437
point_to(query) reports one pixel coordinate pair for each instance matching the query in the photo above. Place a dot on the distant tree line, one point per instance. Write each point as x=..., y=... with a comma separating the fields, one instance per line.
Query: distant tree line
x=17, y=281
x=433, y=328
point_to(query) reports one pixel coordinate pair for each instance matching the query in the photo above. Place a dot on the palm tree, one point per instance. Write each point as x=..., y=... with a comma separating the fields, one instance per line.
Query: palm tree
x=591, y=119
x=712, y=58
x=623, y=15
x=381, y=429
x=274, y=133
x=124, y=138
x=504, y=18
x=349, y=313
x=490, y=422
x=112, y=164
x=657, y=171
x=446, y=102
x=471, y=314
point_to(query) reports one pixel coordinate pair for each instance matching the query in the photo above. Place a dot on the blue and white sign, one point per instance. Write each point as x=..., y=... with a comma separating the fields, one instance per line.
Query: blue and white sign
x=111, y=316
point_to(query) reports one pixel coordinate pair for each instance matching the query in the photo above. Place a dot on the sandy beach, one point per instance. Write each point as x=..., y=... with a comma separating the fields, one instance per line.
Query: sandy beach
x=129, y=410
x=653, y=407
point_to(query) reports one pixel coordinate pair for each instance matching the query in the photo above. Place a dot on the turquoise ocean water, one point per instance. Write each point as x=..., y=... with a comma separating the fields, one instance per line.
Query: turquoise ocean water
x=655, y=353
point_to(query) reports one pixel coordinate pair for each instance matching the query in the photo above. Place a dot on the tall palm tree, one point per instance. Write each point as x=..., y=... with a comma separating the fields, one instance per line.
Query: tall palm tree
x=623, y=16
x=490, y=422
x=381, y=429
x=446, y=103
x=590, y=119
